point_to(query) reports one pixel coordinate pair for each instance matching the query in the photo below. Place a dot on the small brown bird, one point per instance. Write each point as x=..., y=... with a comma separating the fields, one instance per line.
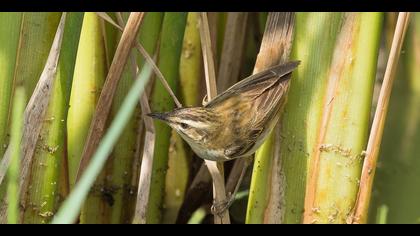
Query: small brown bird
x=236, y=122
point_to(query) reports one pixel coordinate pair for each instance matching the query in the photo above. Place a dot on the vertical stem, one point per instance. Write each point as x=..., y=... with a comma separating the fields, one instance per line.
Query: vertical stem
x=395, y=191
x=299, y=124
x=190, y=64
x=375, y=138
x=103, y=107
x=233, y=50
x=209, y=68
x=42, y=199
x=173, y=28
x=265, y=200
x=215, y=169
x=16, y=135
x=10, y=23
x=37, y=32
x=148, y=37
x=336, y=160
x=88, y=78
x=179, y=165
x=116, y=186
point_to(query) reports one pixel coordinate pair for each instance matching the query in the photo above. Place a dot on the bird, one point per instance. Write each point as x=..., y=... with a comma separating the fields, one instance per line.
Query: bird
x=236, y=122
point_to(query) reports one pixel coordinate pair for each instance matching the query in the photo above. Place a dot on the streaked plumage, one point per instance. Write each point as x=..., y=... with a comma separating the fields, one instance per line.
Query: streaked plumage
x=236, y=122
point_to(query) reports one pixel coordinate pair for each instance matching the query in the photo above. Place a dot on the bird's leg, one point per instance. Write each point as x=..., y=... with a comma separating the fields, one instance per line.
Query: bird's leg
x=219, y=207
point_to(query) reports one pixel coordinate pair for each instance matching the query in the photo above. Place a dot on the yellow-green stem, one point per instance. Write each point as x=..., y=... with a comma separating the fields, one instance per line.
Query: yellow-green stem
x=37, y=30
x=398, y=175
x=173, y=27
x=88, y=78
x=119, y=169
x=190, y=70
x=42, y=198
x=344, y=125
x=19, y=101
x=300, y=116
x=10, y=23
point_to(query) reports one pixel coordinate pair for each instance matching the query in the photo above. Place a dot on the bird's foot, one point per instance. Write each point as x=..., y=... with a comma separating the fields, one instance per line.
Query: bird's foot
x=218, y=208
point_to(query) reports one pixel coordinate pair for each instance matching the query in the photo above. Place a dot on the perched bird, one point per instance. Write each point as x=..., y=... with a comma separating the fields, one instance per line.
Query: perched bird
x=236, y=122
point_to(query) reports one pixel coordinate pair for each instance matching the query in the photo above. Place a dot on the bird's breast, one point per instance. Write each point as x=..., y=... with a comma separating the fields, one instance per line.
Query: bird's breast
x=211, y=154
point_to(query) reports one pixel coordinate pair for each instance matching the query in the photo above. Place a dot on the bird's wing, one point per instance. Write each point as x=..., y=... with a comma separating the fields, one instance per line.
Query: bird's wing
x=239, y=149
x=268, y=104
x=256, y=85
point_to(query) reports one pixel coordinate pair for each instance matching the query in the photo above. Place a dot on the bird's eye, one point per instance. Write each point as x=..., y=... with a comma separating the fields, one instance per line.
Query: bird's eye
x=184, y=125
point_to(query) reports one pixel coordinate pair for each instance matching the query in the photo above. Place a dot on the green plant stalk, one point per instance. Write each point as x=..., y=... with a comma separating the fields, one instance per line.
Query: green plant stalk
x=177, y=178
x=398, y=175
x=88, y=78
x=149, y=33
x=100, y=202
x=10, y=23
x=346, y=133
x=414, y=53
x=190, y=71
x=111, y=36
x=42, y=199
x=303, y=111
x=89, y=74
x=70, y=209
x=117, y=190
x=382, y=214
x=258, y=192
x=148, y=36
x=173, y=28
x=119, y=178
x=38, y=31
x=13, y=172
x=198, y=216
x=301, y=115
x=104, y=201
x=190, y=65
x=119, y=169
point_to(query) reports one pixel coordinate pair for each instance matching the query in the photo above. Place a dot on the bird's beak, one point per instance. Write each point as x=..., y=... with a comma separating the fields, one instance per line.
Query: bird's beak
x=159, y=116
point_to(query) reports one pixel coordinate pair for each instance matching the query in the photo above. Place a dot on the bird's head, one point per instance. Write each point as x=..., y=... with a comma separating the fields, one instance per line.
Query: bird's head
x=192, y=123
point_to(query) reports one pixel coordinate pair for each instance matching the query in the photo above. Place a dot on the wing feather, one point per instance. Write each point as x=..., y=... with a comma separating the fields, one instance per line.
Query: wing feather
x=257, y=84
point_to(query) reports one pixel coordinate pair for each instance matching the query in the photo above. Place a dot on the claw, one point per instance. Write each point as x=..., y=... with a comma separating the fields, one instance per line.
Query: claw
x=218, y=208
